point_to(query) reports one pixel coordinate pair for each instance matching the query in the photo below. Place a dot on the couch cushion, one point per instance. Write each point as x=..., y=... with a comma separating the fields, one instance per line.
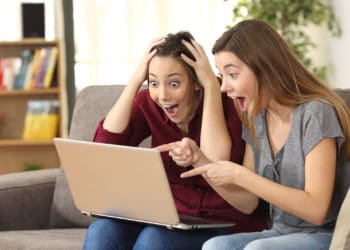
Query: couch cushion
x=345, y=95
x=26, y=199
x=55, y=239
x=341, y=237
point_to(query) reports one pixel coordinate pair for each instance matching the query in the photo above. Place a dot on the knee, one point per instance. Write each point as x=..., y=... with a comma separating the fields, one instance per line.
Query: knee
x=211, y=244
x=152, y=238
x=101, y=227
x=109, y=234
x=258, y=244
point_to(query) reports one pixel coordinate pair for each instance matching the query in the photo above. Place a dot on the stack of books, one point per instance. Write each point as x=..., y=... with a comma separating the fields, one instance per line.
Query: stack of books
x=33, y=70
x=41, y=120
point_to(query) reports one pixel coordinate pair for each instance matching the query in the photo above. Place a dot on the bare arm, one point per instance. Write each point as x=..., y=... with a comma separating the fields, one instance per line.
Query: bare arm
x=219, y=175
x=315, y=198
x=213, y=128
x=118, y=117
x=237, y=196
x=319, y=182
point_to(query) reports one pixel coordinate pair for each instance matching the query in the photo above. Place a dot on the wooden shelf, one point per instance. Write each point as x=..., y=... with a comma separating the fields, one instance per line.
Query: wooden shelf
x=28, y=42
x=15, y=153
x=19, y=142
x=33, y=92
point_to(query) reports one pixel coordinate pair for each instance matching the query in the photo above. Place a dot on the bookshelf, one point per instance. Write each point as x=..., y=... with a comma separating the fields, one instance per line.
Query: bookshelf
x=17, y=154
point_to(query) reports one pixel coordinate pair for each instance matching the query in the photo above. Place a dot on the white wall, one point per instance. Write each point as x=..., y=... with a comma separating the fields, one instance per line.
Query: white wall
x=334, y=52
x=10, y=19
x=110, y=36
x=339, y=56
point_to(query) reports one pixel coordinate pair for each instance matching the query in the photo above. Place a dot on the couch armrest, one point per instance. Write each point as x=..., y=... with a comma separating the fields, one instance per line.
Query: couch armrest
x=25, y=199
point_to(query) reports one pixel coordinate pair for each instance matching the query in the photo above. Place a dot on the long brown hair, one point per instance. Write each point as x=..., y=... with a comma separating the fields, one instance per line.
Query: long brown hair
x=278, y=71
x=173, y=47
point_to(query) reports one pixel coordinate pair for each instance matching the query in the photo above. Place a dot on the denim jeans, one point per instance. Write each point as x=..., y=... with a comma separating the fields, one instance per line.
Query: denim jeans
x=271, y=240
x=116, y=234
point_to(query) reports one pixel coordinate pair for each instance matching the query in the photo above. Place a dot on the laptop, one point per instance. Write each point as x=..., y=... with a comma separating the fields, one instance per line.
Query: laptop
x=123, y=182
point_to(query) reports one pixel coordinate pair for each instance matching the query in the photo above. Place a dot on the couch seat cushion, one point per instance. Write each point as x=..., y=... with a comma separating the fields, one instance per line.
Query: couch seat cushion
x=52, y=239
x=341, y=236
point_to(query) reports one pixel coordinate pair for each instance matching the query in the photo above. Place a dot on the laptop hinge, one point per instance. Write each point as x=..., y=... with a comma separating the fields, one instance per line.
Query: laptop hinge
x=86, y=213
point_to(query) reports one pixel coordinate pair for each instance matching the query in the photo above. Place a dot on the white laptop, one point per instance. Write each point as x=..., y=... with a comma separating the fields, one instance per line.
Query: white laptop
x=122, y=182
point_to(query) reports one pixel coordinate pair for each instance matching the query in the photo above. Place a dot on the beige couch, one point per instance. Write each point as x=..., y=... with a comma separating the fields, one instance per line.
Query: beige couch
x=36, y=208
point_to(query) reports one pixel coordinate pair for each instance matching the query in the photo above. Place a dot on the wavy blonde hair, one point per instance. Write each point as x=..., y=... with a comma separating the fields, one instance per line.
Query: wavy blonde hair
x=279, y=72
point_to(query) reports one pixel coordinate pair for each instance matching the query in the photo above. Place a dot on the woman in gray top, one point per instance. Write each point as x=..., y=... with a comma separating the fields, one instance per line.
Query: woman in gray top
x=297, y=134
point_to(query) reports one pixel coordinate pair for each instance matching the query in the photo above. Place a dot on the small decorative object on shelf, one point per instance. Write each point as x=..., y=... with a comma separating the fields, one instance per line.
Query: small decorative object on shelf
x=32, y=166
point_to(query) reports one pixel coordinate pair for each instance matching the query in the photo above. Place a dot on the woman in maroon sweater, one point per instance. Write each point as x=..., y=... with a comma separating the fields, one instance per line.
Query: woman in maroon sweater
x=183, y=99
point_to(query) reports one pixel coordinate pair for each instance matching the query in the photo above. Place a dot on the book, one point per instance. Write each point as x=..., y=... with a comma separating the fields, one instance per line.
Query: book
x=28, y=76
x=41, y=120
x=2, y=65
x=50, y=69
x=34, y=68
x=26, y=57
x=10, y=70
x=40, y=70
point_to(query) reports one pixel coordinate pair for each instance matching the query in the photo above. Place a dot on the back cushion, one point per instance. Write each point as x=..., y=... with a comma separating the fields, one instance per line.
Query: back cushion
x=341, y=236
x=345, y=94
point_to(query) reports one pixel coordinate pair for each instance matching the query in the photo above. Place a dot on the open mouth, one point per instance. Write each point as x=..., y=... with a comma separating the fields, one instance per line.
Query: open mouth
x=171, y=110
x=242, y=103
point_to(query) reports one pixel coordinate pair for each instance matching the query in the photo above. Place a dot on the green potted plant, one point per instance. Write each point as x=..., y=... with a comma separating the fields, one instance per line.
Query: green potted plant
x=289, y=18
x=32, y=166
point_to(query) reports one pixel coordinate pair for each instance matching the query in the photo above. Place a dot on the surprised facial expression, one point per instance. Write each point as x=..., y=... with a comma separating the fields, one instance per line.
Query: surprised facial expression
x=238, y=80
x=171, y=88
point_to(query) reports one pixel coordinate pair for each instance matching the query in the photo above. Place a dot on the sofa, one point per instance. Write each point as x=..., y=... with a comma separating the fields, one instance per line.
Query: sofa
x=36, y=207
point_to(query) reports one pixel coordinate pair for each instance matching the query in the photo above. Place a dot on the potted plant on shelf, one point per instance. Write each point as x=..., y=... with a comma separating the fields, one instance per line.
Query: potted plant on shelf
x=289, y=18
x=32, y=166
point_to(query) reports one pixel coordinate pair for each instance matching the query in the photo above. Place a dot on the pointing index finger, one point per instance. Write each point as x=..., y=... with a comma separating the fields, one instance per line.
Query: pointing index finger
x=196, y=171
x=166, y=147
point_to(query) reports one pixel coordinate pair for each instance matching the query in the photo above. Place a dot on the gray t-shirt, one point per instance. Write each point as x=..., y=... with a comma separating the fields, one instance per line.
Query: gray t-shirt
x=312, y=121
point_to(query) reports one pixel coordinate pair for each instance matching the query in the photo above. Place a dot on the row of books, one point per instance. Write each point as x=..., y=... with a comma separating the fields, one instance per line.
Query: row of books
x=33, y=70
x=41, y=120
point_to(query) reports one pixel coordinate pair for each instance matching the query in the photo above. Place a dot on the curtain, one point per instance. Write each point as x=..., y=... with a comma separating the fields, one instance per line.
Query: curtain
x=110, y=36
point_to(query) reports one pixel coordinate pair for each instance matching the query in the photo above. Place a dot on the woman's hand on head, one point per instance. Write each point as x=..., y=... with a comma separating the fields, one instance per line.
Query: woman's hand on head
x=201, y=63
x=140, y=73
x=185, y=152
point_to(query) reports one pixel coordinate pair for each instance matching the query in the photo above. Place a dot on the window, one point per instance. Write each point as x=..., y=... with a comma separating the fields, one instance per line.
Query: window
x=110, y=36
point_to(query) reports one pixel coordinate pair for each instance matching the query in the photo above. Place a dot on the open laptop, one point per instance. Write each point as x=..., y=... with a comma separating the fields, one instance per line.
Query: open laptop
x=122, y=182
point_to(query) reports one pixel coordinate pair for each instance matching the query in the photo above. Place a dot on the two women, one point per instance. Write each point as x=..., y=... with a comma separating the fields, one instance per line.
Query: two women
x=183, y=99
x=297, y=134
